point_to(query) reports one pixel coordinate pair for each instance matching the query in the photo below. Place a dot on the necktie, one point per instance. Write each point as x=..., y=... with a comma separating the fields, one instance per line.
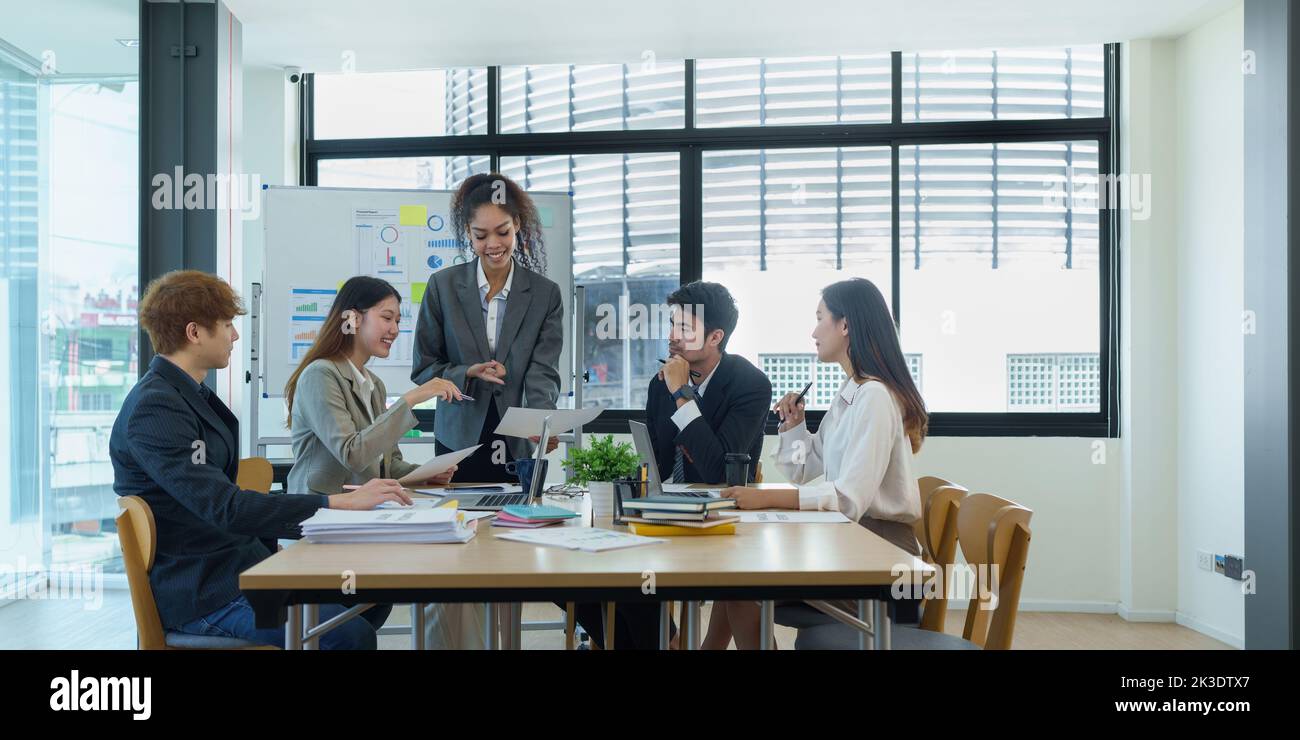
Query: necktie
x=679, y=460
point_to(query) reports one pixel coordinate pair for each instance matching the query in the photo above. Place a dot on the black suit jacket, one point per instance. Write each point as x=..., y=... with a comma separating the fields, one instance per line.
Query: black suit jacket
x=733, y=412
x=209, y=530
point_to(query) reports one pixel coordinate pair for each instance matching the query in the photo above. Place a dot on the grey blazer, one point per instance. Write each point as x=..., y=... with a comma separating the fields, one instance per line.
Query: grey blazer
x=342, y=435
x=451, y=335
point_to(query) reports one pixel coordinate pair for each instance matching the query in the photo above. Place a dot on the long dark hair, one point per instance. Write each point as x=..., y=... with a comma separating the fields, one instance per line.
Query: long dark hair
x=874, y=351
x=360, y=293
x=498, y=190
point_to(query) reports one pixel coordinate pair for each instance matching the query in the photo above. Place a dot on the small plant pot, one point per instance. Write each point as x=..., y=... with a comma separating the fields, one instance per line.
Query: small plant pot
x=602, y=498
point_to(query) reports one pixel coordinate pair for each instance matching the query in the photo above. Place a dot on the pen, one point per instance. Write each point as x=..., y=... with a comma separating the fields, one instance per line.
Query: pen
x=694, y=373
x=802, y=393
x=797, y=398
x=464, y=397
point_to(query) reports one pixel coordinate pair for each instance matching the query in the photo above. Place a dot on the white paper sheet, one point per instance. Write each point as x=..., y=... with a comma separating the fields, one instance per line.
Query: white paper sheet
x=791, y=517
x=439, y=464
x=684, y=487
x=586, y=539
x=521, y=422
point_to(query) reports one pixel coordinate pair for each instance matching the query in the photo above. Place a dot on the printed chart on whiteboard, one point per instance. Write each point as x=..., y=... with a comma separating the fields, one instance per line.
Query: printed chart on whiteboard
x=384, y=241
x=308, y=307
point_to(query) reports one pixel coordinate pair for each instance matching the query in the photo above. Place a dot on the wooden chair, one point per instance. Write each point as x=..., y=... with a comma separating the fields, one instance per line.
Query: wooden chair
x=992, y=531
x=138, y=536
x=936, y=530
x=935, y=512
x=255, y=474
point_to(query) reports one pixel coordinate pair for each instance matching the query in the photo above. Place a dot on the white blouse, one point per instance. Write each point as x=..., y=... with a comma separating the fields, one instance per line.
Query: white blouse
x=864, y=453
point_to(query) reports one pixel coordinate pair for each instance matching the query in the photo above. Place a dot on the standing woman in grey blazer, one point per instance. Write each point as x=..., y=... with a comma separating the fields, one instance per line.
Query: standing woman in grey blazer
x=493, y=326
x=343, y=431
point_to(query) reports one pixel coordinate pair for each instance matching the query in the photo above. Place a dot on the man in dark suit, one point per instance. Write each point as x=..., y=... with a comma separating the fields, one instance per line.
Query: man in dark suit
x=705, y=403
x=702, y=405
x=176, y=445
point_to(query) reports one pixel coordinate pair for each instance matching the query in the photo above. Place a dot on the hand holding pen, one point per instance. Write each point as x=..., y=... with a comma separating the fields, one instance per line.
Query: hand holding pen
x=790, y=409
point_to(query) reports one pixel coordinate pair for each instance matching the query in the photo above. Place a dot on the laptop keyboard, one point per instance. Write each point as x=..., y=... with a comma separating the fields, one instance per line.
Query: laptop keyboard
x=692, y=494
x=503, y=499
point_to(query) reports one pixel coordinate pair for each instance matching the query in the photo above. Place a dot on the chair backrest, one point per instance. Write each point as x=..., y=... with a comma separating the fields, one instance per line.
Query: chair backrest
x=255, y=474
x=138, y=536
x=937, y=532
x=936, y=494
x=994, y=535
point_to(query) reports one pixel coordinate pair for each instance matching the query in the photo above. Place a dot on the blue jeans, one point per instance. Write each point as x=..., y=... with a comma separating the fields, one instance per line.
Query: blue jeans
x=236, y=620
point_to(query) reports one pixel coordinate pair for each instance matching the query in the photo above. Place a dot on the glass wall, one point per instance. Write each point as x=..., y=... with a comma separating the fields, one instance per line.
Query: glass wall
x=69, y=128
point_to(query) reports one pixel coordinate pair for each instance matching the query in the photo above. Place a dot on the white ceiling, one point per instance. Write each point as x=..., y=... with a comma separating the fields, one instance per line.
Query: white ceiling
x=81, y=34
x=409, y=34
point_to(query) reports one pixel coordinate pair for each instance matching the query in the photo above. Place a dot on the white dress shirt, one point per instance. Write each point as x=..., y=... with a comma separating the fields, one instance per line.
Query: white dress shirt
x=864, y=453
x=690, y=411
x=492, y=310
x=363, y=380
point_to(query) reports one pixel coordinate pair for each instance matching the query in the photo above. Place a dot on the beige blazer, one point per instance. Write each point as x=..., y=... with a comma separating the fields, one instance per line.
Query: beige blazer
x=342, y=435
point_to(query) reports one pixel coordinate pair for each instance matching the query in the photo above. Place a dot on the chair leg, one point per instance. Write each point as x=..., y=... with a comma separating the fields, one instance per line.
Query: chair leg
x=609, y=624
x=570, y=625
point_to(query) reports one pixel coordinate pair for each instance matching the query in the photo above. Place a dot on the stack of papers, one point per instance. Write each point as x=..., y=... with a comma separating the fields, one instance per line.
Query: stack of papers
x=411, y=525
x=586, y=539
x=532, y=517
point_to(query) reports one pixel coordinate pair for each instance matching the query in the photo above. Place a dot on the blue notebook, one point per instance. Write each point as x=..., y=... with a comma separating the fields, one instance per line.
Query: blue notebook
x=539, y=512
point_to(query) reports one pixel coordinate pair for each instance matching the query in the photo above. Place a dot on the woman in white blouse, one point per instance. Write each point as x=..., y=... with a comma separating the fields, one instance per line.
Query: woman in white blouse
x=860, y=460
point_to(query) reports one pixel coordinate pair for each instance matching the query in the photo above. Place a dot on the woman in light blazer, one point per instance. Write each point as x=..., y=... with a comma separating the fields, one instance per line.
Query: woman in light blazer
x=343, y=432
x=494, y=326
x=342, y=429
x=859, y=462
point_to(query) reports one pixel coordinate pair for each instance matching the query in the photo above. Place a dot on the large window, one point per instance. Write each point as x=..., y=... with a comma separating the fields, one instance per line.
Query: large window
x=625, y=252
x=69, y=263
x=969, y=186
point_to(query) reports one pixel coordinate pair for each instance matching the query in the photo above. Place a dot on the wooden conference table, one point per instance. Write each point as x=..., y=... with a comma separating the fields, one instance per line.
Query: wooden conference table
x=764, y=562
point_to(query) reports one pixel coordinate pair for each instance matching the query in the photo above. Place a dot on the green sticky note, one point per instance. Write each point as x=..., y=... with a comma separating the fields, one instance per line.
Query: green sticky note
x=413, y=215
x=417, y=292
x=547, y=215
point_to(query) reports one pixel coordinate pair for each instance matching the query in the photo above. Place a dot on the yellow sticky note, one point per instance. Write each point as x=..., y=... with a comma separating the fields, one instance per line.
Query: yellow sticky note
x=417, y=292
x=413, y=215
x=340, y=285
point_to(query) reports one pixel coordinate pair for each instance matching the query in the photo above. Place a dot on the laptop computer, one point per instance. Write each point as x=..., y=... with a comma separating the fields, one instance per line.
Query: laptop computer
x=654, y=486
x=476, y=498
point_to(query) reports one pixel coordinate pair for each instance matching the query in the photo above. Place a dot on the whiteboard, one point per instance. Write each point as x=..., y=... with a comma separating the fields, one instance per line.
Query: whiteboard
x=316, y=238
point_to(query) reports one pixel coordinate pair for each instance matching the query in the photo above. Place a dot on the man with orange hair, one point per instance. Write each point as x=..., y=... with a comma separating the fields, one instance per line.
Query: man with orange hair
x=176, y=445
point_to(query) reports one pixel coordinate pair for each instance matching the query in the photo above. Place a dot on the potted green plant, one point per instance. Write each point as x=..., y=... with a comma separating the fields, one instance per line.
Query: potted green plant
x=598, y=467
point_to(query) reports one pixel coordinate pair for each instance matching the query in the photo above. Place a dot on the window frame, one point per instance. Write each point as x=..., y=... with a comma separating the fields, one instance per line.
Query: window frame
x=689, y=142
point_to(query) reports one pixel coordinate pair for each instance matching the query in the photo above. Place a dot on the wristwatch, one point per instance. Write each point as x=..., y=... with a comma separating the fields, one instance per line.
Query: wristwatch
x=686, y=391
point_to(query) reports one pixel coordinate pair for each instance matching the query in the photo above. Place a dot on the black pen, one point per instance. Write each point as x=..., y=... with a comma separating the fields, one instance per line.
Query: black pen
x=802, y=393
x=797, y=399
x=694, y=374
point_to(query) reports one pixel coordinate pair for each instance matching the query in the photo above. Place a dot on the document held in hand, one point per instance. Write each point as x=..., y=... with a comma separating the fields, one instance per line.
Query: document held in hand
x=436, y=466
x=522, y=422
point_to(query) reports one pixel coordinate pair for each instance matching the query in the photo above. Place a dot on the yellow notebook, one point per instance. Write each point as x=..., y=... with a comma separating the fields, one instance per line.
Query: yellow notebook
x=668, y=530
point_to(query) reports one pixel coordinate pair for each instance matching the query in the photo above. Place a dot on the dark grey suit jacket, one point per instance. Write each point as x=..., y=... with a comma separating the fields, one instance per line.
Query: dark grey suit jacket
x=450, y=335
x=209, y=530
